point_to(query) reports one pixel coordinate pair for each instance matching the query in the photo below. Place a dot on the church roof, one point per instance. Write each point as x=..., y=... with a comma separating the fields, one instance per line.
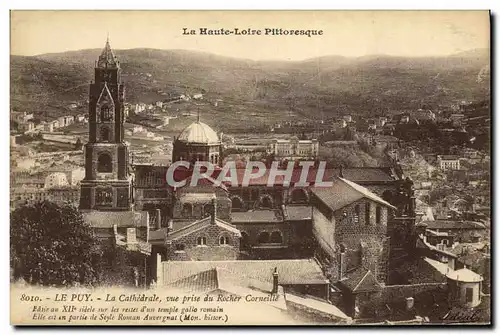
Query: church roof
x=199, y=132
x=202, y=224
x=344, y=192
x=107, y=57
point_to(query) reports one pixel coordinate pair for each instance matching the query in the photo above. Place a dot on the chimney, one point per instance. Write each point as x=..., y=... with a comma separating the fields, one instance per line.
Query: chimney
x=131, y=237
x=158, y=218
x=275, y=281
x=214, y=209
x=410, y=301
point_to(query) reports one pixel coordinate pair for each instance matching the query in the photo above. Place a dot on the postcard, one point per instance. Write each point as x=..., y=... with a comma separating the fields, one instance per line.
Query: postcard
x=250, y=168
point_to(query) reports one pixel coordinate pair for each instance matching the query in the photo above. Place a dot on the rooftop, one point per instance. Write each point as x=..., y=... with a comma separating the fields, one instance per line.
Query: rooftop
x=361, y=280
x=344, y=192
x=199, y=132
x=263, y=215
x=291, y=271
x=451, y=224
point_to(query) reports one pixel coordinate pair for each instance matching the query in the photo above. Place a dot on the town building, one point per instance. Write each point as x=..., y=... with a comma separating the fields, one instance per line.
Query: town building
x=294, y=149
x=448, y=162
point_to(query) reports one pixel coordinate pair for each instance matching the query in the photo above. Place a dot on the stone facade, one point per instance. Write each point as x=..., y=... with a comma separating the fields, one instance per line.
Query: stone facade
x=210, y=243
x=106, y=185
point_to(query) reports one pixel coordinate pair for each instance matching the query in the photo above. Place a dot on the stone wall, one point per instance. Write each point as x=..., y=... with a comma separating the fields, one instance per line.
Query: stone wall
x=187, y=248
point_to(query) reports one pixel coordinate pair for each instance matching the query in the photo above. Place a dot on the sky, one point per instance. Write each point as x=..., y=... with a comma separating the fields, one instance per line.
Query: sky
x=345, y=33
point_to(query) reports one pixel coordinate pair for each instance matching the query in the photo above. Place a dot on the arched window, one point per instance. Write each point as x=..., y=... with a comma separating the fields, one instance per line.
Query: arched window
x=104, y=134
x=207, y=210
x=378, y=214
x=236, y=203
x=104, y=163
x=266, y=202
x=106, y=113
x=263, y=237
x=202, y=240
x=223, y=240
x=357, y=212
x=276, y=237
x=187, y=210
x=245, y=240
x=367, y=213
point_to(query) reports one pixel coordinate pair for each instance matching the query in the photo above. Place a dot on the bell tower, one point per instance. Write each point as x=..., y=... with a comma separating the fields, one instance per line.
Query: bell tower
x=107, y=183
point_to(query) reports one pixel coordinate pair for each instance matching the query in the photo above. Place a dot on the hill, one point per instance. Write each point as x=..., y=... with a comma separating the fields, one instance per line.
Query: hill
x=313, y=88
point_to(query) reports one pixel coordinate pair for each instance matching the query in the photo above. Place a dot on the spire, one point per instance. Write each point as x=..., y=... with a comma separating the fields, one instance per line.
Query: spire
x=107, y=57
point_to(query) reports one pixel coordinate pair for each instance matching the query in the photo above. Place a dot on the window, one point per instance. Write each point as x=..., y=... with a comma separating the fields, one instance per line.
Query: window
x=179, y=247
x=105, y=113
x=469, y=292
x=104, y=163
x=236, y=203
x=245, y=240
x=207, y=210
x=266, y=202
x=201, y=241
x=357, y=211
x=104, y=197
x=224, y=240
x=367, y=213
x=263, y=237
x=378, y=214
x=105, y=134
x=276, y=237
x=187, y=210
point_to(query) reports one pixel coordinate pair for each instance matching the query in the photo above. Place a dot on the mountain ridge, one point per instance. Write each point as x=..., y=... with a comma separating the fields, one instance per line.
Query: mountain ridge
x=314, y=87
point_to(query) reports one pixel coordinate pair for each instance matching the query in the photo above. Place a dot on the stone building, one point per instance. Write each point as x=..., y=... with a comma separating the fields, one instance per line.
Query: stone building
x=294, y=149
x=197, y=142
x=107, y=183
x=350, y=225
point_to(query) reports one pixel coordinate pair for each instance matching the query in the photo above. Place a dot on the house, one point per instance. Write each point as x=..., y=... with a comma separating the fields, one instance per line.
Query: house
x=207, y=239
x=448, y=162
x=448, y=232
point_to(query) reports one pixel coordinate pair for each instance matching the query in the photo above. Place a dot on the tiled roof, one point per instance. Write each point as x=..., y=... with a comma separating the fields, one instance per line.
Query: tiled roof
x=450, y=224
x=121, y=219
x=225, y=280
x=361, y=280
x=344, y=192
x=201, y=224
x=290, y=271
x=256, y=216
x=298, y=213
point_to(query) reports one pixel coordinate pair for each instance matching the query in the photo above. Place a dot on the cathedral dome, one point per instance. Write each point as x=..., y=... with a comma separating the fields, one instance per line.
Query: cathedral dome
x=199, y=132
x=56, y=179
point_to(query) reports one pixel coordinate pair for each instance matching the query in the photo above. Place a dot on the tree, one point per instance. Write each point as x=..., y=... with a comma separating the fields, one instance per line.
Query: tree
x=52, y=245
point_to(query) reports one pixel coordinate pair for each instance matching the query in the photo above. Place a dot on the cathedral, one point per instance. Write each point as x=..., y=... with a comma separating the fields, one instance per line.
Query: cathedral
x=367, y=211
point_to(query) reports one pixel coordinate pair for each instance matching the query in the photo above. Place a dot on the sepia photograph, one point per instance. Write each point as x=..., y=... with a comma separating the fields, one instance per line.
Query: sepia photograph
x=221, y=168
